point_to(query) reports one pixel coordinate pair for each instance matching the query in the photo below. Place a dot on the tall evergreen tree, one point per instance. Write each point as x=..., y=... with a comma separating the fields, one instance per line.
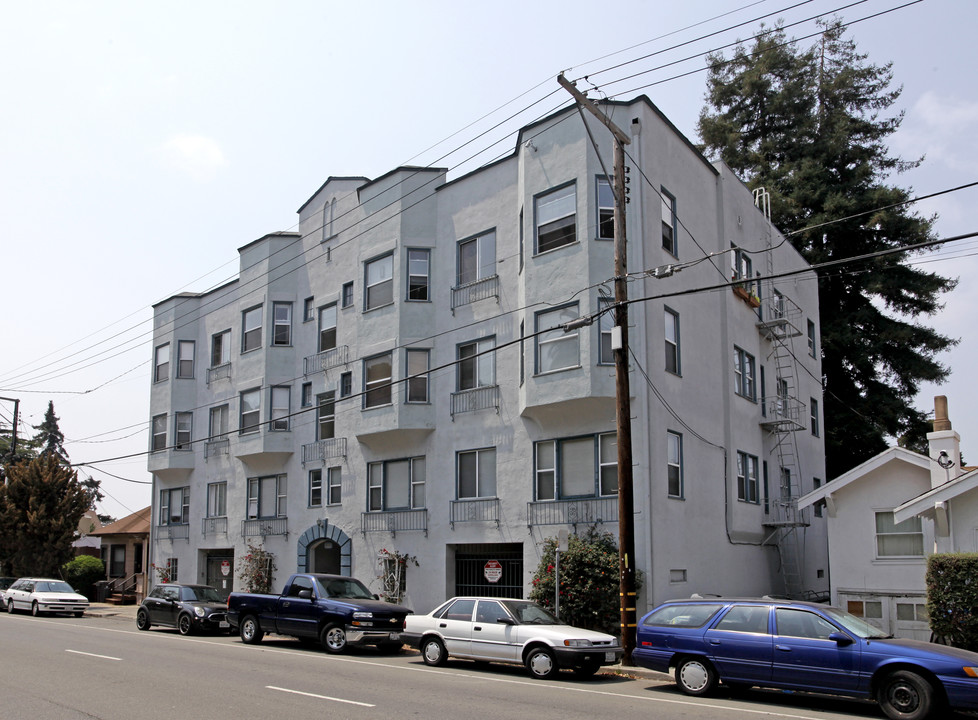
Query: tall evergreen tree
x=49, y=439
x=810, y=125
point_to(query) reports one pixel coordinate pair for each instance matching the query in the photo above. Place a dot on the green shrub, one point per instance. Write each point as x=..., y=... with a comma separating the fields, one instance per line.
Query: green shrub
x=82, y=573
x=952, y=598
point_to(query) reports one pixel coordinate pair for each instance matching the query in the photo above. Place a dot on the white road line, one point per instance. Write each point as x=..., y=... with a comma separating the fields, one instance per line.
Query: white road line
x=104, y=657
x=319, y=697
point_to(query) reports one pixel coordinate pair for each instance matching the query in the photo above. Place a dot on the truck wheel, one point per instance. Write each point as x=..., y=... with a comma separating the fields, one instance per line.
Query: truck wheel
x=333, y=639
x=541, y=663
x=185, y=624
x=142, y=620
x=433, y=652
x=250, y=631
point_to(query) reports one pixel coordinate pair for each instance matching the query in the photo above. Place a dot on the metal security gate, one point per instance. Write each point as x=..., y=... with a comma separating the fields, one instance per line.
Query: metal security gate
x=475, y=564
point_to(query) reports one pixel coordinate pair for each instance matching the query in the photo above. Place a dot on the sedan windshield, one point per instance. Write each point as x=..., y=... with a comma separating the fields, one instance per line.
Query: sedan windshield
x=529, y=613
x=856, y=626
x=343, y=588
x=56, y=586
x=201, y=593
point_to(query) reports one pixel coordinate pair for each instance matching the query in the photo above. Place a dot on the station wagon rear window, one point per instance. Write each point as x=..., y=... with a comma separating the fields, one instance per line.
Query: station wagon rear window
x=695, y=615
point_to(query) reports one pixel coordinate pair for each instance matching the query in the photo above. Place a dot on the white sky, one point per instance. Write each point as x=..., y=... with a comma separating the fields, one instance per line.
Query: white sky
x=142, y=144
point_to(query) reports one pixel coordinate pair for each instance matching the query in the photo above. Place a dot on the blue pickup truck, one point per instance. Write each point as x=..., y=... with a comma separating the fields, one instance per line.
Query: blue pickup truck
x=337, y=611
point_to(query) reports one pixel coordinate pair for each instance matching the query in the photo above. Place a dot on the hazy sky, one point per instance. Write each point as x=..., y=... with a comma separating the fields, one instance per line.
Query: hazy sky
x=142, y=144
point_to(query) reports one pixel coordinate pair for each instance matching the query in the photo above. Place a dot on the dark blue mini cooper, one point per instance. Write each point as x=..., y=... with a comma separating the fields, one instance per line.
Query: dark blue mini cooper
x=803, y=646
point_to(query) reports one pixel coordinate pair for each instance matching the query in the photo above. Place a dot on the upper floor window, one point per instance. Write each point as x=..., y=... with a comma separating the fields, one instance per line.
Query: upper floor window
x=476, y=258
x=377, y=377
x=741, y=265
x=417, y=370
x=159, y=432
x=305, y=395
x=184, y=430
x=217, y=499
x=747, y=478
x=817, y=507
x=744, y=368
x=812, y=347
x=674, y=464
x=326, y=415
x=218, y=427
x=221, y=348
x=282, y=319
x=669, y=223
x=419, y=270
x=175, y=506
x=308, y=309
x=606, y=210
x=346, y=384
x=396, y=484
x=556, y=218
x=267, y=496
x=576, y=467
x=333, y=486
x=476, y=364
x=556, y=349
x=251, y=329
x=346, y=294
x=476, y=472
x=379, y=282
x=893, y=539
x=316, y=488
x=813, y=409
x=671, y=321
x=250, y=411
x=606, y=326
x=185, y=358
x=162, y=363
x=281, y=407
x=327, y=327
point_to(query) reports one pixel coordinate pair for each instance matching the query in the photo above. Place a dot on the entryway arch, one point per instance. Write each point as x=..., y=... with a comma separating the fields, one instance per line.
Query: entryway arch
x=314, y=546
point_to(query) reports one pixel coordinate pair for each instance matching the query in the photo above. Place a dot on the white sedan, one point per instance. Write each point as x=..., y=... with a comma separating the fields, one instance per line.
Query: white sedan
x=518, y=632
x=45, y=595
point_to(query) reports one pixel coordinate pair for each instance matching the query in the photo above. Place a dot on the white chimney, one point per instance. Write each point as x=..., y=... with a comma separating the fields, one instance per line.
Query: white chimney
x=945, y=446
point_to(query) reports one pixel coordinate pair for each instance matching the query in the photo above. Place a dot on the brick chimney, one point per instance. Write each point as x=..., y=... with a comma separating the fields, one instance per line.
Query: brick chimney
x=945, y=446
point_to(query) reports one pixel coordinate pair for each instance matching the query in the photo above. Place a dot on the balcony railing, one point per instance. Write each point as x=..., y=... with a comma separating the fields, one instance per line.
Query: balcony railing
x=265, y=526
x=476, y=290
x=173, y=532
x=475, y=399
x=214, y=526
x=483, y=510
x=218, y=372
x=322, y=450
x=393, y=520
x=320, y=362
x=782, y=414
x=216, y=447
x=586, y=511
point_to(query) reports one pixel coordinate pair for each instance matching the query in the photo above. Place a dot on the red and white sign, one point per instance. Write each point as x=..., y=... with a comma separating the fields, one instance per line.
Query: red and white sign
x=225, y=567
x=493, y=571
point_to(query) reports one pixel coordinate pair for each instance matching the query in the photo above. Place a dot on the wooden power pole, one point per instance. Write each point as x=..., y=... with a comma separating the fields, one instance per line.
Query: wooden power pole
x=626, y=502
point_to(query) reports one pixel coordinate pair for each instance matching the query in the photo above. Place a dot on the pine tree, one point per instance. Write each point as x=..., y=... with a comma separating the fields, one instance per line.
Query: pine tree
x=40, y=508
x=49, y=438
x=810, y=125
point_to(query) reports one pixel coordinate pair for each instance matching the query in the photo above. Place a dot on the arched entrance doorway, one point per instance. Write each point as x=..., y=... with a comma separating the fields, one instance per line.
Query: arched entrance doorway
x=324, y=546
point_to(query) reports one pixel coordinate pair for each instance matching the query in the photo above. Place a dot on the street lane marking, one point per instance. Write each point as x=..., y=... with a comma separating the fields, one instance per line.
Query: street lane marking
x=319, y=697
x=104, y=657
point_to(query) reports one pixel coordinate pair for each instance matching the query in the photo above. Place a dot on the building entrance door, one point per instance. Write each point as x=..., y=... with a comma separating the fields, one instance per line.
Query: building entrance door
x=489, y=570
x=324, y=557
x=220, y=571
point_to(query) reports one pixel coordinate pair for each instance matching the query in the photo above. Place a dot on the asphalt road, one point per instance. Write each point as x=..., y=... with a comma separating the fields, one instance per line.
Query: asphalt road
x=65, y=668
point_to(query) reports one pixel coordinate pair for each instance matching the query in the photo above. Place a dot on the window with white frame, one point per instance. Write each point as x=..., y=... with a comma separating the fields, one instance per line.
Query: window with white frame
x=185, y=358
x=669, y=239
x=217, y=499
x=476, y=471
x=326, y=415
x=584, y=466
x=221, y=348
x=606, y=210
x=555, y=348
x=334, y=495
x=251, y=329
x=812, y=347
x=417, y=370
x=396, y=484
x=671, y=323
x=250, y=415
x=556, y=218
x=744, y=369
x=308, y=309
x=419, y=272
x=674, y=464
x=476, y=364
x=741, y=265
x=267, y=496
x=379, y=282
x=327, y=327
x=162, y=363
x=377, y=376
x=606, y=326
x=159, y=432
x=315, y=488
x=218, y=426
x=175, y=506
x=747, y=478
x=476, y=258
x=281, y=323
x=893, y=539
x=184, y=430
x=281, y=407
x=813, y=419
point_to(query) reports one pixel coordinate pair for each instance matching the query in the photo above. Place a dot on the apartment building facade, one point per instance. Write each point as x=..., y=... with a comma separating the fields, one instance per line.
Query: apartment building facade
x=395, y=378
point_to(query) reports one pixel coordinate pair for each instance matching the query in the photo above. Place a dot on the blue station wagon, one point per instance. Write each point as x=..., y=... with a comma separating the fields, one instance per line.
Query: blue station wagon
x=803, y=646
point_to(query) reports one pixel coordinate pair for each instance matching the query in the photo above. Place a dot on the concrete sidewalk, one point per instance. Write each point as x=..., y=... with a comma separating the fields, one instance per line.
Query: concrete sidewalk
x=96, y=609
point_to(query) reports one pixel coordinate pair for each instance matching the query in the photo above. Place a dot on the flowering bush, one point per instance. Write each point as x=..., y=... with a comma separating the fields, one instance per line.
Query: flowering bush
x=393, y=574
x=255, y=569
x=162, y=572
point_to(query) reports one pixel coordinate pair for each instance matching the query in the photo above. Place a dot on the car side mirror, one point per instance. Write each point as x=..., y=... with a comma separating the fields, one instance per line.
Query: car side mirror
x=840, y=638
x=376, y=596
x=305, y=594
x=505, y=621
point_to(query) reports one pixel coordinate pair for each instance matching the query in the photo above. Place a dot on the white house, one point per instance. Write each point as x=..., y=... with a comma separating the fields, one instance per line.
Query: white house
x=396, y=376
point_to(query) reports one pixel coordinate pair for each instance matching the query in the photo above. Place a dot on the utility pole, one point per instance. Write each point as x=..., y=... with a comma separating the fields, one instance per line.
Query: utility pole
x=13, y=437
x=626, y=514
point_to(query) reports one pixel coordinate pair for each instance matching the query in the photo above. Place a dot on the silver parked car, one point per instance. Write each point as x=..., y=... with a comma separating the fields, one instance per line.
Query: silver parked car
x=45, y=595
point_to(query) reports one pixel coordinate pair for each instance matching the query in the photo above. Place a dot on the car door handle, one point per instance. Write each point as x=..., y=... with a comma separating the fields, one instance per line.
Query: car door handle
x=714, y=642
x=477, y=628
x=783, y=648
x=442, y=624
